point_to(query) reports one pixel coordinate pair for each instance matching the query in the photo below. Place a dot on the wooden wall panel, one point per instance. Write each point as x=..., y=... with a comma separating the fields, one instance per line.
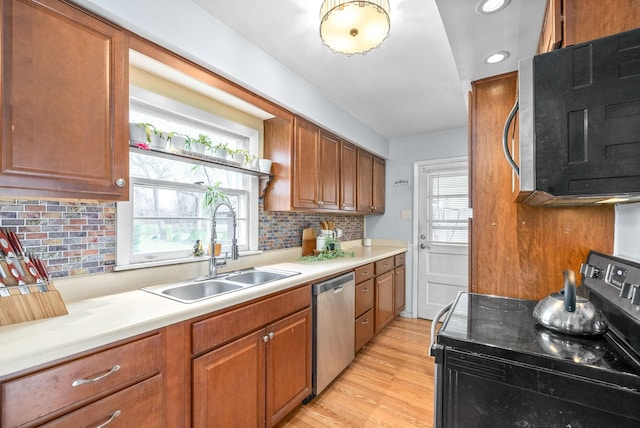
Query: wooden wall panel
x=517, y=250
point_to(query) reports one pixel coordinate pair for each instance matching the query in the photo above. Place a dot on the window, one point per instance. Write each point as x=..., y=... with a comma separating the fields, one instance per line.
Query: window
x=447, y=201
x=165, y=215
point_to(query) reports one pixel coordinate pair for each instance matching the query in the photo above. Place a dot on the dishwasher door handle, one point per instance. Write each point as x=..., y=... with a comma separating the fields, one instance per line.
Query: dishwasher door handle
x=338, y=288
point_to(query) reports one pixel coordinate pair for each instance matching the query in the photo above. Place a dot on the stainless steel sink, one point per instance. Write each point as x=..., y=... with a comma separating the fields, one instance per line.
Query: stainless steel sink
x=258, y=276
x=193, y=292
x=196, y=290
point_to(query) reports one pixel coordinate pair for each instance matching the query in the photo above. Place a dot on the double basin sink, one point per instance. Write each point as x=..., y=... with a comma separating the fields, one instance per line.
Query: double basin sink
x=205, y=288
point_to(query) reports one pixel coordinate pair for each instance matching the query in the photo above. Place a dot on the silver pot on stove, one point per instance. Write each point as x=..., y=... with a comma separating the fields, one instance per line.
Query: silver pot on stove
x=568, y=313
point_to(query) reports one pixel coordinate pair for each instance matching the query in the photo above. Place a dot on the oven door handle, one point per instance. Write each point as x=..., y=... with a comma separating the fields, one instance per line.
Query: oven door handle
x=434, y=324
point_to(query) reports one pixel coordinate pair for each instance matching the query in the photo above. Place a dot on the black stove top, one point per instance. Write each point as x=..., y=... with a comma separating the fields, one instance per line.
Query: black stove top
x=505, y=328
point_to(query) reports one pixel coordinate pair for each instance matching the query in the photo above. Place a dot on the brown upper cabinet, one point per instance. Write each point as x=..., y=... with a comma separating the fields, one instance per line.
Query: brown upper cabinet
x=569, y=22
x=348, y=176
x=316, y=171
x=371, y=181
x=316, y=163
x=64, y=103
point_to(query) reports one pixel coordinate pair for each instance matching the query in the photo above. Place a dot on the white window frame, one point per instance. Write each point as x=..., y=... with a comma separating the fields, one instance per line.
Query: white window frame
x=164, y=106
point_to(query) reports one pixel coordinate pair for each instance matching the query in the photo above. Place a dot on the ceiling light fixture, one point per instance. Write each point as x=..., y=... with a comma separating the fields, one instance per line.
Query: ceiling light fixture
x=496, y=57
x=354, y=26
x=488, y=7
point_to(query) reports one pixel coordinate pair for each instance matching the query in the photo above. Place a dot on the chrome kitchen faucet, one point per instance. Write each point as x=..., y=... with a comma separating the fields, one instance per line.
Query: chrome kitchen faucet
x=213, y=263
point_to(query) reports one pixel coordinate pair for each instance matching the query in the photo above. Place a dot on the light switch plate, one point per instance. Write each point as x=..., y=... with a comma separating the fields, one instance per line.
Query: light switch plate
x=405, y=214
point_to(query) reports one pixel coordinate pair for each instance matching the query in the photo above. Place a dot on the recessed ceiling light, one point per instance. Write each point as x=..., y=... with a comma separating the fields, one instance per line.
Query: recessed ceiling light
x=496, y=57
x=487, y=7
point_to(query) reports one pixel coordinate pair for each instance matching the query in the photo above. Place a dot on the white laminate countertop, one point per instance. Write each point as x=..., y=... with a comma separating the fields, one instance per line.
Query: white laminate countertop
x=99, y=320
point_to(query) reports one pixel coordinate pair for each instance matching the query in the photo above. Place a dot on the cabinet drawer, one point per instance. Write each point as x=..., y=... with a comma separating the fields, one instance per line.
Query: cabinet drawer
x=33, y=396
x=364, y=329
x=364, y=297
x=384, y=265
x=399, y=259
x=364, y=273
x=219, y=329
x=136, y=406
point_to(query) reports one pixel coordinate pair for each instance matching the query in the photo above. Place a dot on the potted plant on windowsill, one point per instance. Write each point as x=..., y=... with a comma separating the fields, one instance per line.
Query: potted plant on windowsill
x=220, y=150
x=240, y=156
x=200, y=144
x=145, y=132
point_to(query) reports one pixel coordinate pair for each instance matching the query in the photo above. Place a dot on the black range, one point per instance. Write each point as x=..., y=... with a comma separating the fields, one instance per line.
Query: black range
x=495, y=366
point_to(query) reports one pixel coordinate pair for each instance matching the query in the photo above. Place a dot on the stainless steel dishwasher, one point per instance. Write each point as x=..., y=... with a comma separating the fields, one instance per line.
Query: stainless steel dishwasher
x=334, y=329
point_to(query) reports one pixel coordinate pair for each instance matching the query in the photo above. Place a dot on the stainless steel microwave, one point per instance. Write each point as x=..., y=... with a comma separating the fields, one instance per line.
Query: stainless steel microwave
x=579, y=123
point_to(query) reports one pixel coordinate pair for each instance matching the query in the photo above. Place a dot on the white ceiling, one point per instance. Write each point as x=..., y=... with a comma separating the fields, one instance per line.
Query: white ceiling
x=411, y=84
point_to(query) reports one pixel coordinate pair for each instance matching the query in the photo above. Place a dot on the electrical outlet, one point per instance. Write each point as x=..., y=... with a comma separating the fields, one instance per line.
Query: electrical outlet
x=405, y=214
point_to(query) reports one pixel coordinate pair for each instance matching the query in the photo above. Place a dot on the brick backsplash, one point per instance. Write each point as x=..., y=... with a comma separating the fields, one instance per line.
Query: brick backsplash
x=73, y=238
x=284, y=229
x=76, y=238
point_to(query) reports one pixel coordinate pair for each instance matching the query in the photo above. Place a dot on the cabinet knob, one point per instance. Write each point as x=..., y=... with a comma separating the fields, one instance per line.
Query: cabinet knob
x=120, y=182
x=265, y=338
x=271, y=335
x=320, y=203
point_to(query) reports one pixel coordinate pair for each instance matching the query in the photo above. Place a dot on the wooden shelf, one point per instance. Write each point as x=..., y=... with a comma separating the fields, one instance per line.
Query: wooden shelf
x=202, y=159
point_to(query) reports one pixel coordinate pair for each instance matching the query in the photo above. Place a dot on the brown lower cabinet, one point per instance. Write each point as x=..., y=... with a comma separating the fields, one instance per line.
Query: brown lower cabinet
x=380, y=297
x=256, y=380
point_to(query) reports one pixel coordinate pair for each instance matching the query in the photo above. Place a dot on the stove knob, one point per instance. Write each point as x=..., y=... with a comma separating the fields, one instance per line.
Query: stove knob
x=625, y=290
x=635, y=295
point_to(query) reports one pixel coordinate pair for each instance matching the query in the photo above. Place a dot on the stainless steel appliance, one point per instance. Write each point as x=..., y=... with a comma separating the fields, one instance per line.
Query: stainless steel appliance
x=579, y=123
x=334, y=329
x=495, y=366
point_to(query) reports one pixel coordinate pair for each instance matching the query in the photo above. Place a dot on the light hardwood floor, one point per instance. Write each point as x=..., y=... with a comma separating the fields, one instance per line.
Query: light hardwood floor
x=389, y=384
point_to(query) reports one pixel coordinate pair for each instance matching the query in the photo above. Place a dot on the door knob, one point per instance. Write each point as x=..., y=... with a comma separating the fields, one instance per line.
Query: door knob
x=423, y=246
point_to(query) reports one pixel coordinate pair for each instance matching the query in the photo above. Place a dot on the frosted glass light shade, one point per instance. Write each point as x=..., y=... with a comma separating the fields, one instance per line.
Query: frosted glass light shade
x=354, y=26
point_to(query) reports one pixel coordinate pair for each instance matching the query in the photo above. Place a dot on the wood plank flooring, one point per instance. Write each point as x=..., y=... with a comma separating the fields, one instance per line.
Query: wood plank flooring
x=389, y=384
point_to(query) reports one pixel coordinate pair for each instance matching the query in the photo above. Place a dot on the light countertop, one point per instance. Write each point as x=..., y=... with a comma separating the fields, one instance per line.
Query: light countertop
x=97, y=320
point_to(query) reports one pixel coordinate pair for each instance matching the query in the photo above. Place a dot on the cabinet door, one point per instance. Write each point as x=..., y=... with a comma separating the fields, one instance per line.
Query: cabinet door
x=329, y=168
x=398, y=286
x=288, y=365
x=228, y=384
x=365, y=174
x=348, y=177
x=384, y=307
x=378, y=180
x=64, y=100
x=306, y=162
x=586, y=20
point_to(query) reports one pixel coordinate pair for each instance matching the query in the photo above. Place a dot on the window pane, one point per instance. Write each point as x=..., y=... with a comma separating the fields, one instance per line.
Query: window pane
x=448, y=202
x=159, y=202
x=155, y=236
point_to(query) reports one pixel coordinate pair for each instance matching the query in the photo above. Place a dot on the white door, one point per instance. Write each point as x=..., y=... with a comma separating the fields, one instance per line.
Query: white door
x=441, y=223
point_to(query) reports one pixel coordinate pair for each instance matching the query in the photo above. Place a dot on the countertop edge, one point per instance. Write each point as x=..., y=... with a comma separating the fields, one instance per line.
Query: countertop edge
x=99, y=321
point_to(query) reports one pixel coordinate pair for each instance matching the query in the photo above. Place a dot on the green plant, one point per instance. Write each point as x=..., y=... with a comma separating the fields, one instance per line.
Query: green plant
x=214, y=195
x=148, y=129
x=187, y=143
x=204, y=139
x=221, y=146
x=244, y=152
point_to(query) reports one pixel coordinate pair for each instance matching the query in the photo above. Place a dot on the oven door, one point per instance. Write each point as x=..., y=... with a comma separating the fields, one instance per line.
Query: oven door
x=478, y=390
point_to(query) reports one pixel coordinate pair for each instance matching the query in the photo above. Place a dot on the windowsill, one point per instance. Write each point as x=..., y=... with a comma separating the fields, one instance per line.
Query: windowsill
x=144, y=265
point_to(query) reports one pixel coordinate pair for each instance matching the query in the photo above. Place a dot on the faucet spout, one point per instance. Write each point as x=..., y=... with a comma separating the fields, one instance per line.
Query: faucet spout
x=213, y=263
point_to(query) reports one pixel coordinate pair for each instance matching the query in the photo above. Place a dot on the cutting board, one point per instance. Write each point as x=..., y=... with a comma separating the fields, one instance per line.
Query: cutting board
x=308, y=242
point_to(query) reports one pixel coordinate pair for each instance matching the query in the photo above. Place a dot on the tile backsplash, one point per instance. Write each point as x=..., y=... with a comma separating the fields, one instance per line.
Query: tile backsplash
x=76, y=238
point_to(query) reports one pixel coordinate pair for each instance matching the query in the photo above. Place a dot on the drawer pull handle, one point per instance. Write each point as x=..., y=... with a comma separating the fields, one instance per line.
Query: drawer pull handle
x=364, y=290
x=111, y=419
x=95, y=379
x=365, y=322
x=366, y=272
